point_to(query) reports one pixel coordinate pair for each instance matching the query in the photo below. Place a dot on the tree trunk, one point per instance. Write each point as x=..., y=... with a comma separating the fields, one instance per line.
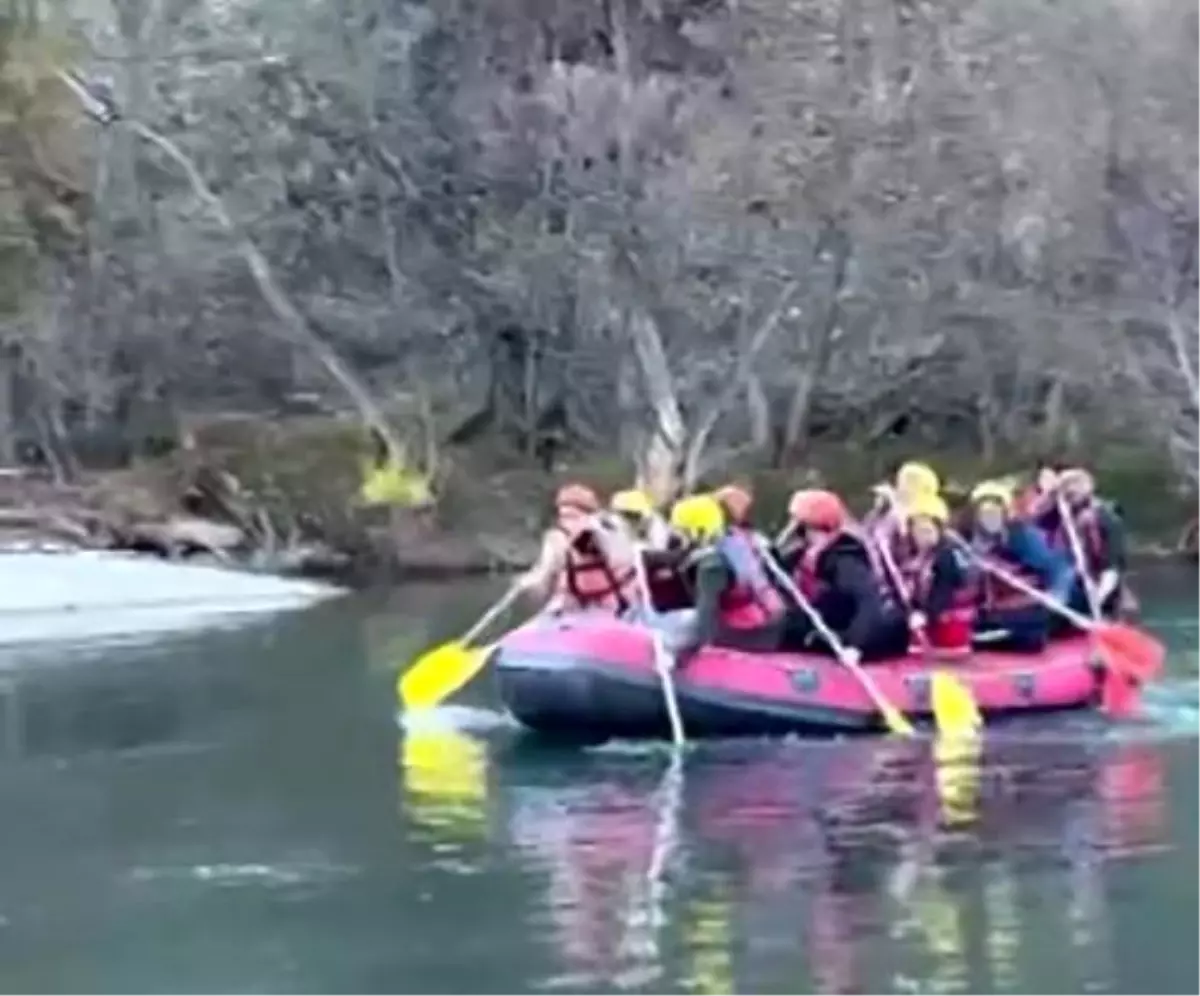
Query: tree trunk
x=662, y=452
x=747, y=354
x=820, y=351
x=294, y=328
x=8, y=441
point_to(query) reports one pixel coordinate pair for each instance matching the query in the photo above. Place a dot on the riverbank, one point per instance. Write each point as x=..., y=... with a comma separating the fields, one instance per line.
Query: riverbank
x=286, y=498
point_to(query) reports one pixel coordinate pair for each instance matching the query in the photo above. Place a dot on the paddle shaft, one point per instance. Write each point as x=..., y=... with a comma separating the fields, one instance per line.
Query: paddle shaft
x=1068, y=524
x=1039, y=596
x=661, y=657
x=897, y=580
x=1113, y=693
x=827, y=634
x=491, y=615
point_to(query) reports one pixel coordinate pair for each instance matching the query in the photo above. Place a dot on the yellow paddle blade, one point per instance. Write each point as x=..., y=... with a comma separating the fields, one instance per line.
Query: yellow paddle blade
x=896, y=721
x=438, y=674
x=954, y=708
x=445, y=779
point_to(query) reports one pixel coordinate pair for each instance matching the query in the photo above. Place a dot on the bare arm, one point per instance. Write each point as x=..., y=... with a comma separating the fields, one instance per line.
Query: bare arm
x=538, y=581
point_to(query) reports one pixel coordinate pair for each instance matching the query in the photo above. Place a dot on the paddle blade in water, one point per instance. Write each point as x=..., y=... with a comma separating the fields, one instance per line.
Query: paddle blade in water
x=954, y=708
x=438, y=674
x=1118, y=694
x=1130, y=651
x=896, y=721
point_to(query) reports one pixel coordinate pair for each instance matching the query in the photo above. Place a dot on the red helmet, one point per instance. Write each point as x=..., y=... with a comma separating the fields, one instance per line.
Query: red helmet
x=818, y=509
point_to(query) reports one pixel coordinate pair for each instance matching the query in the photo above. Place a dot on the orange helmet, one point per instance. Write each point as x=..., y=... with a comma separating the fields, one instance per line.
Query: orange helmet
x=736, y=500
x=577, y=496
x=818, y=509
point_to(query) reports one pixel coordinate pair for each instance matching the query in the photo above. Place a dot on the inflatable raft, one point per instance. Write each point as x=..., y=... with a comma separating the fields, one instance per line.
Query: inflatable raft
x=592, y=676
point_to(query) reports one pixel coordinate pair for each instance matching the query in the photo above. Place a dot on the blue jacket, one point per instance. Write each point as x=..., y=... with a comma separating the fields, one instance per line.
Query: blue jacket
x=1023, y=544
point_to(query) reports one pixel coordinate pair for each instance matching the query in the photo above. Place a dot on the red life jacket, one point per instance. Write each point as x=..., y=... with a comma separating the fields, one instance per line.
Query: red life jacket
x=995, y=593
x=1091, y=537
x=589, y=581
x=954, y=625
x=750, y=600
x=806, y=575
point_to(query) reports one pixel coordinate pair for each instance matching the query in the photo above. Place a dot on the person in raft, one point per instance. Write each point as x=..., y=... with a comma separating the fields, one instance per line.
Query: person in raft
x=583, y=565
x=736, y=605
x=997, y=534
x=736, y=501
x=935, y=581
x=884, y=524
x=638, y=519
x=832, y=564
x=639, y=522
x=1037, y=496
x=1101, y=534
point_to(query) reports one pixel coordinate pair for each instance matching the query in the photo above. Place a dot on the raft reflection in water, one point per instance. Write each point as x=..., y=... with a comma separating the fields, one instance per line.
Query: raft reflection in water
x=860, y=866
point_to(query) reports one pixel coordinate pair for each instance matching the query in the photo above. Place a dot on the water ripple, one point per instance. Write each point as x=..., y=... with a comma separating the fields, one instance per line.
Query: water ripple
x=243, y=874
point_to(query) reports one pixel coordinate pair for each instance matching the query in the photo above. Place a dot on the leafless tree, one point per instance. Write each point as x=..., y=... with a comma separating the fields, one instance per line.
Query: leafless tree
x=684, y=231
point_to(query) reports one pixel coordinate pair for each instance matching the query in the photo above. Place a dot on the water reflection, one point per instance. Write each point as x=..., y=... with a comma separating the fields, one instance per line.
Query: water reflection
x=859, y=866
x=445, y=782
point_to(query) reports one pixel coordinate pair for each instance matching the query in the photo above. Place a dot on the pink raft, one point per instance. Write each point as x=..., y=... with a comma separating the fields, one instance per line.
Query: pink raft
x=593, y=676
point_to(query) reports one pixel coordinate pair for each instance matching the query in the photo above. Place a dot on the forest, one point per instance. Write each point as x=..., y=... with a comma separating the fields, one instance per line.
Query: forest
x=693, y=234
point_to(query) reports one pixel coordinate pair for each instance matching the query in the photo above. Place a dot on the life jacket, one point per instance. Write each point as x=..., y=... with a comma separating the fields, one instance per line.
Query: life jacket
x=669, y=588
x=807, y=577
x=995, y=593
x=1091, y=537
x=589, y=581
x=750, y=600
x=916, y=574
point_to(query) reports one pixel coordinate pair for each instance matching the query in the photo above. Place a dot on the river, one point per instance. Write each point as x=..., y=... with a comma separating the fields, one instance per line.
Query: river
x=241, y=809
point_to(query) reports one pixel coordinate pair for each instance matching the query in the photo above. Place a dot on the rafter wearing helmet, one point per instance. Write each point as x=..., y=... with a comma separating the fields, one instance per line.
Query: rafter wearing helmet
x=583, y=564
x=736, y=603
x=834, y=565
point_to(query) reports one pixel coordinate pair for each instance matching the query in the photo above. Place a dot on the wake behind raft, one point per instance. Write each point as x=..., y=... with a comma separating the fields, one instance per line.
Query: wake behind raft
x=593, y=676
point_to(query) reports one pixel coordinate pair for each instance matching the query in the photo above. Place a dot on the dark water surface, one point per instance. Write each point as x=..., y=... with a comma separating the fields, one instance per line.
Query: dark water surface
x=241, y=811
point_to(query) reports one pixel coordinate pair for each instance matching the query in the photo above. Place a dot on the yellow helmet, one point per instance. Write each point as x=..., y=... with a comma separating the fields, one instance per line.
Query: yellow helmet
x=996, y=491
x=917, y=478
x=929, y=506
x=698, y=517
x=632, y=502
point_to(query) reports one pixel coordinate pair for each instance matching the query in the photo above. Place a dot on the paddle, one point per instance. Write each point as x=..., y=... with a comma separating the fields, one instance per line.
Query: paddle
x=895, y=720
x=954, y=708
x=439, y=673
x=958, y=714
x=662, y=659
x=1118, y=694
x=1124, y=648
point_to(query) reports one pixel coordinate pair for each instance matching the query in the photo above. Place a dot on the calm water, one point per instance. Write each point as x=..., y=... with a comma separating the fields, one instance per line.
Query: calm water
x=243, y=811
